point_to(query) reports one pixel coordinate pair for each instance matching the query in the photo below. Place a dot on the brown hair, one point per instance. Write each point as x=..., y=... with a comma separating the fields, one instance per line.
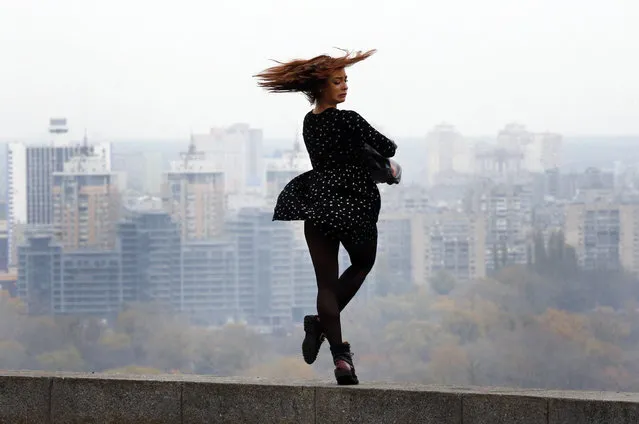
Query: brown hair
x=306, y=75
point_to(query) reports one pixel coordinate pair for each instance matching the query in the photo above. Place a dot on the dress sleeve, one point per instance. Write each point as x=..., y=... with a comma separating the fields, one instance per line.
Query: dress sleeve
x=365, y=133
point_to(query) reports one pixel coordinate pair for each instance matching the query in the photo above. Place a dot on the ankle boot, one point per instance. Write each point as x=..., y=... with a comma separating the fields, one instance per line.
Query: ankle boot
x=312, y=339
x=344, y=368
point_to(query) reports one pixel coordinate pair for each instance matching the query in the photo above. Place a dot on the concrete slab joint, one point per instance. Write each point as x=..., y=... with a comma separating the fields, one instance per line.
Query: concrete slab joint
x=32, y=397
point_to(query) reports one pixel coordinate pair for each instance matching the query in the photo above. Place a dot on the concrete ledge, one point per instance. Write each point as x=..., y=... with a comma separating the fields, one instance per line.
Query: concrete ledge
x=30, y=397
x=24, y=399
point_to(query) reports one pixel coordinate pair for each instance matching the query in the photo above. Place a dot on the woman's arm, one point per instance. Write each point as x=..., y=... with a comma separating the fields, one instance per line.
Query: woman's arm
x=365, y=133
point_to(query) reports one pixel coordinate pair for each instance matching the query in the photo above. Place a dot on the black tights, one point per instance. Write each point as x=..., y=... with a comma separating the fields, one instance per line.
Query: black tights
x=333, y=293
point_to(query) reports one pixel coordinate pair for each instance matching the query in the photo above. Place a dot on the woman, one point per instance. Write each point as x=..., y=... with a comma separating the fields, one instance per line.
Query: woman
x=338, y=200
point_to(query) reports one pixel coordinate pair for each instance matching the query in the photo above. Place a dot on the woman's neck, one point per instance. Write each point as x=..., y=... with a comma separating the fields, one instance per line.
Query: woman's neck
x=321, y=107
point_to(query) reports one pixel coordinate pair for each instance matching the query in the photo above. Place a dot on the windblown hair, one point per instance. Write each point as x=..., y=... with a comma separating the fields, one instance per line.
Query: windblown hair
x=307, y=76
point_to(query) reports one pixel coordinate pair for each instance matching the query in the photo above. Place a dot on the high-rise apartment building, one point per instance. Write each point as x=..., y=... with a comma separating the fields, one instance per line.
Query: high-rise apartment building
x=238, y=152
x=410, y=198
x=86, y=204
x=414, y=247
x=452, y=242
x=508, y=211
x=207, y=288
x=539, y=151
x=448, y=154
x=275, y=278
x=500, y=163
x=89, y=284
x=394, y=263
x=39, y=275
x=513, y=136
x=145, y=266
x=149, y=245
x=544, y=152
x=604, y=233
x=30, y=178
x=194, y=196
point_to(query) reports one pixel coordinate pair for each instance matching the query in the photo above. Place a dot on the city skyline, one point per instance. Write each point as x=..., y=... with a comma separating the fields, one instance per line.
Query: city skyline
x=193, y=236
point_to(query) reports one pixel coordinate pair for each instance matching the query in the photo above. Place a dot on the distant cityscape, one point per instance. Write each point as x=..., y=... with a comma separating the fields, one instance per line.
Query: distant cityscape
x=87, y=228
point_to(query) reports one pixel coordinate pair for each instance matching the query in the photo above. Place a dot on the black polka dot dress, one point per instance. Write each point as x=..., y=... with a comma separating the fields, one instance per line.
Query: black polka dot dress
x=338, y=195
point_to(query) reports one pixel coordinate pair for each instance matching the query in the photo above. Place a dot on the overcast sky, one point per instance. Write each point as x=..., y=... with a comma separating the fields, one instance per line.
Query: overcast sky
x=142, y=68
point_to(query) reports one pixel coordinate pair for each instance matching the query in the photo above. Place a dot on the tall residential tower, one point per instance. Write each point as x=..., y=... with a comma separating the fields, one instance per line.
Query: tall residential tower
x=30, y=179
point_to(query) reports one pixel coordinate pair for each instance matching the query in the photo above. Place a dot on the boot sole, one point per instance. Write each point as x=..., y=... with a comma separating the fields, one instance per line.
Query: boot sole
x=346, y=378
x=310, y=345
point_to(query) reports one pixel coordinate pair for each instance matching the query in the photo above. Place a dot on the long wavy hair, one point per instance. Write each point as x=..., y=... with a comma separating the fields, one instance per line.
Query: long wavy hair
x=307, y=76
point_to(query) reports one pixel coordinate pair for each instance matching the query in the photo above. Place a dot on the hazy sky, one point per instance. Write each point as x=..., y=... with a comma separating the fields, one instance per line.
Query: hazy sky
x=142, y=68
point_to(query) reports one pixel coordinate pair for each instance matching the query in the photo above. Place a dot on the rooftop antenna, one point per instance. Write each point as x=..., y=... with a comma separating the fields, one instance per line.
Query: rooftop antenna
x=192, y=152
x=85, y=144
x=192, y=148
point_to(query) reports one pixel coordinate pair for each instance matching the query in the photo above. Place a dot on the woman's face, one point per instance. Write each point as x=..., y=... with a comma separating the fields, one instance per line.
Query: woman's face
x=334, y=91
